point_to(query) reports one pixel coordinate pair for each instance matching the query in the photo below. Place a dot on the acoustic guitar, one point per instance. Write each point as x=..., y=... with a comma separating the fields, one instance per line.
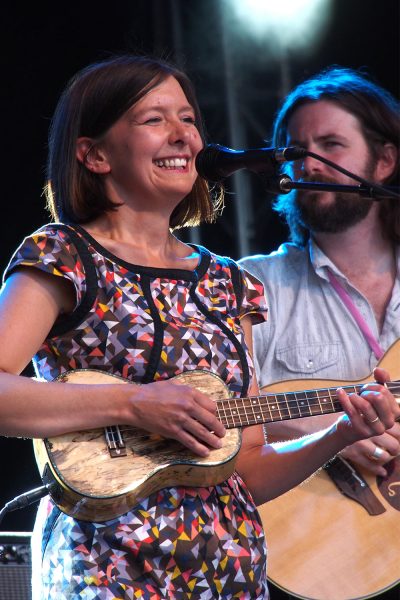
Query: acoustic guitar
x=100, y=474
x=337, y=535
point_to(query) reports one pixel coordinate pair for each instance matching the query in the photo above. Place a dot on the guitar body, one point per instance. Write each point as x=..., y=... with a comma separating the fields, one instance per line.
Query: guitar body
x=324, y=545
x=90, y=484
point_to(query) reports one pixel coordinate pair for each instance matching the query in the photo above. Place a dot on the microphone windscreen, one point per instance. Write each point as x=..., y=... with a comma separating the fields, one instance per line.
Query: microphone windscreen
x=206, y=163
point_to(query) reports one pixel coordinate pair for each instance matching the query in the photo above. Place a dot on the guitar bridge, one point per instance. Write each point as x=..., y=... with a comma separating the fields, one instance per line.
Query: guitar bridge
x=115, y=441
x=350, y=482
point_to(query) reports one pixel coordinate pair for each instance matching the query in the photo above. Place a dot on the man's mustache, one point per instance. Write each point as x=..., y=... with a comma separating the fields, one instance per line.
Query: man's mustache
x=314, y=179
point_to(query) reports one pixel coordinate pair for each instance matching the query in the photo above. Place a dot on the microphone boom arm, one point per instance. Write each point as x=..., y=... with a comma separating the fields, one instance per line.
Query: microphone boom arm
x=283, y=184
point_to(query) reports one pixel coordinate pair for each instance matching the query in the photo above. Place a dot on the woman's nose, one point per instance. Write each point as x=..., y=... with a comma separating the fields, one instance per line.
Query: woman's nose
x=179, y=132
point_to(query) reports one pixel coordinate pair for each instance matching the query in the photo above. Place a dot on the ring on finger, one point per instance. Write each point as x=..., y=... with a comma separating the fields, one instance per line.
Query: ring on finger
x=377, y=453
x=373, y=420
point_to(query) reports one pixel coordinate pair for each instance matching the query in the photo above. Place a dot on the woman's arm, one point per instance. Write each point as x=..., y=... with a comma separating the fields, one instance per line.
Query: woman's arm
x=30, y=302
x=360, y=453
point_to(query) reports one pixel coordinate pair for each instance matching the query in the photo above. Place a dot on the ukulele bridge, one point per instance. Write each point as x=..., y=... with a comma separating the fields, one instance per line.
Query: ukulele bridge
x=115, y=441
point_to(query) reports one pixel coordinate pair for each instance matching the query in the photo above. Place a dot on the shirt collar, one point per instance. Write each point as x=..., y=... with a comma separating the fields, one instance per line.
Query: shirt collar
x=321, y=262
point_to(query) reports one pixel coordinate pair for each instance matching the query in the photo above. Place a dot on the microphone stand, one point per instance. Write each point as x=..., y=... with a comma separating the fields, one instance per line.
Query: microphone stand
x=283, y=184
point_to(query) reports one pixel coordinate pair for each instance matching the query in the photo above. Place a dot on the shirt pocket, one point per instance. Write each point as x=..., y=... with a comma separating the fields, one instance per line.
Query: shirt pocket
x=309, y=359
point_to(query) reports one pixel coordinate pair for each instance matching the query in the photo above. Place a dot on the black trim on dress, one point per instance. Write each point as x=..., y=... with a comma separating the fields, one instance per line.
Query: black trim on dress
x=66, y=322
x=156, y=350
x=215, y=318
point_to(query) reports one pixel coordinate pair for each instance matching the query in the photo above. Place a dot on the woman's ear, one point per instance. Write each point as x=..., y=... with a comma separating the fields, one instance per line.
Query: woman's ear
x=91, y=156
x=386, y=163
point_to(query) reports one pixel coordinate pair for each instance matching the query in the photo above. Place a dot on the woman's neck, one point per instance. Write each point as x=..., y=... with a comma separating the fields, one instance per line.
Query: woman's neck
x=143, y=239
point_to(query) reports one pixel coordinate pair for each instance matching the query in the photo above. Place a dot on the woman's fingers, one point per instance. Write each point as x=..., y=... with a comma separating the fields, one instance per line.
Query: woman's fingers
x=373, y=453
x=370, y=413
x=179, y=412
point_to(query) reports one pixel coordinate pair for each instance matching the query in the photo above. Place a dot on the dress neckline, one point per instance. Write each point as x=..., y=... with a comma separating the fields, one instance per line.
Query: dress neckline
x=187, y=274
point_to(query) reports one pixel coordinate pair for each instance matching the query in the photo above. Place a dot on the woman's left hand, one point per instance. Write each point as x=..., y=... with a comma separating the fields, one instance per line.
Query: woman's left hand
x=375, y=452
x=370, y=413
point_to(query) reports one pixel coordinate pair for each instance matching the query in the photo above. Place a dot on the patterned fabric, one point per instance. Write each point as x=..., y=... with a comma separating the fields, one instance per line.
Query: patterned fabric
x=149, y=324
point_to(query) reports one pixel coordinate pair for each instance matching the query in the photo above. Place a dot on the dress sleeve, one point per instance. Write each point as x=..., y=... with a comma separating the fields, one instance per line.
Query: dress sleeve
x=51, y=250
x=253, y=298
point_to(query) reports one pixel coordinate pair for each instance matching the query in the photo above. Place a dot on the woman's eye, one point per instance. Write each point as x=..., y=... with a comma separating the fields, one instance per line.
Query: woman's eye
x=153, y=120
x=191, y=120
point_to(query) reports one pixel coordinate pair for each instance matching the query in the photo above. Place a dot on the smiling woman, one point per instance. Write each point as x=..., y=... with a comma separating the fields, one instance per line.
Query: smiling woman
x=73, y=192
x=147, y=156
x=132, y=300
x=114, y=297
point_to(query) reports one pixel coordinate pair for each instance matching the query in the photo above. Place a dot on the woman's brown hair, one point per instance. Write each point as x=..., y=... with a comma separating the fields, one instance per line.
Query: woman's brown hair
x=93, y=100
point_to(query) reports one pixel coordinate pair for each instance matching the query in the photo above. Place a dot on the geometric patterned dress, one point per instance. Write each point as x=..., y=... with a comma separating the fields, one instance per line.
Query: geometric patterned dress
x=149, y=324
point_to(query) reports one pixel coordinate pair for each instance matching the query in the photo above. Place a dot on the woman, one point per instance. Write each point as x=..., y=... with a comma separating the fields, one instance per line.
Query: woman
x=112, y=289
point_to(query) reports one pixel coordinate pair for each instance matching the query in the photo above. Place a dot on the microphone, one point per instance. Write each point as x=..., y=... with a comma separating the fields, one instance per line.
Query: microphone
x=214, y=162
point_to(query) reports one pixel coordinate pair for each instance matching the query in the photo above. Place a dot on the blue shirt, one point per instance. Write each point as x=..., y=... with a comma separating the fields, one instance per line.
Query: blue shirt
x=310, y=332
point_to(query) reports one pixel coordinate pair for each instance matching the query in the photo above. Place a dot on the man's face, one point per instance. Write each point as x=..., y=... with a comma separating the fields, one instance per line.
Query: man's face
x=326, y=129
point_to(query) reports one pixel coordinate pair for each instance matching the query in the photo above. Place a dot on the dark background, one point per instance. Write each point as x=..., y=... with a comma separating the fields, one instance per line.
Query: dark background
x=43, y=44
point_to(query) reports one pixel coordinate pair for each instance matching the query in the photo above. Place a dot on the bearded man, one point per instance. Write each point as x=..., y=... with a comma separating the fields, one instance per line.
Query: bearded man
x=334, y=290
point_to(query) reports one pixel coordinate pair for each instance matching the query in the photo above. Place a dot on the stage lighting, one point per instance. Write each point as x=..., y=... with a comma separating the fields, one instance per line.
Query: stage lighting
x=281, y=25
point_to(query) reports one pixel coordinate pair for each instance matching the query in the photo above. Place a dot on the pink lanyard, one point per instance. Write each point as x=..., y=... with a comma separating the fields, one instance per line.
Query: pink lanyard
x=348, y=302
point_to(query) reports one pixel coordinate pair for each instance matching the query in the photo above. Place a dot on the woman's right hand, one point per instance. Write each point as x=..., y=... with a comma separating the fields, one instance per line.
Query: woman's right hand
x=178, y=412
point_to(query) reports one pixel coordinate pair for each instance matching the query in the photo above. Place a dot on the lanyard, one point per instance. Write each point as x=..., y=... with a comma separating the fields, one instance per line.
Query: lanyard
x=348, y=302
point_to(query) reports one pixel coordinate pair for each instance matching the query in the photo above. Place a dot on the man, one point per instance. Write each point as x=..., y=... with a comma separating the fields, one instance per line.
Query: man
x=334, y=290
x=349, y=120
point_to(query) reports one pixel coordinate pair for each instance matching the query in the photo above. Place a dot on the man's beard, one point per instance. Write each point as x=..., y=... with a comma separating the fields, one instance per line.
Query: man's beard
x=336, y=216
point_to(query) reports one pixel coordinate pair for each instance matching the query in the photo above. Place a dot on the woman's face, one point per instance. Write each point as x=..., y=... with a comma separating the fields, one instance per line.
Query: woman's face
x=151, y=149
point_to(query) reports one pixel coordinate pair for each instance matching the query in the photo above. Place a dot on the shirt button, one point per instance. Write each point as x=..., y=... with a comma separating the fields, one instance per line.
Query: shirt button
x=310, y=363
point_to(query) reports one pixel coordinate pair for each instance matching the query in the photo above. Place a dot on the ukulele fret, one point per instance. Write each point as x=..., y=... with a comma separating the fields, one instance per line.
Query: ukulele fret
x=236, y=415
x=279, y=410
x=255, y=415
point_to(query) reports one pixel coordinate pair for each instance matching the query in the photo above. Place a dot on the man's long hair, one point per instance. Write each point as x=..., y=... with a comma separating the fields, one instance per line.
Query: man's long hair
x=379, y=116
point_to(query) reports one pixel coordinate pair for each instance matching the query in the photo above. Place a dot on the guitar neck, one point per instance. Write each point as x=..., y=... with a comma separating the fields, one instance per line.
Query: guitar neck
x=240, y=412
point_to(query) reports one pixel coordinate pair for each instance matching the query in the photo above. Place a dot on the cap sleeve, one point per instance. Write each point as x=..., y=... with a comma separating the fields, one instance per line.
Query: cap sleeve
x=253, y=298
x=51, y=250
